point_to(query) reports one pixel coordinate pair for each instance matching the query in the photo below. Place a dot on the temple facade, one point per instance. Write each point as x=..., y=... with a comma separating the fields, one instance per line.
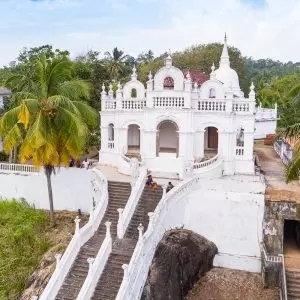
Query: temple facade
x=184, y=121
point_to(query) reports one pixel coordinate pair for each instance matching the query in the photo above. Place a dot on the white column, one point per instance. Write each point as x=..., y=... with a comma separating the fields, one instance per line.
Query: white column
x=122, y=140
x=226, y=150
x=149, y=143
x=104, y=138
x=248, y=145
x=199, y=144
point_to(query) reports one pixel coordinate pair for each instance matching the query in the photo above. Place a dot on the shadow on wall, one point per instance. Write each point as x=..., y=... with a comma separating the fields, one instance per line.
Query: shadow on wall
x=181, y=258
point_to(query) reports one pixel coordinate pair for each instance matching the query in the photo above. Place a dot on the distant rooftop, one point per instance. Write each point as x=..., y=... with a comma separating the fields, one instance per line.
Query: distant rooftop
x=4, y=91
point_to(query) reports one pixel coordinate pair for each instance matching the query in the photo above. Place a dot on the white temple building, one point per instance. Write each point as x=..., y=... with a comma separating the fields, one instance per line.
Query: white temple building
x=183, y=122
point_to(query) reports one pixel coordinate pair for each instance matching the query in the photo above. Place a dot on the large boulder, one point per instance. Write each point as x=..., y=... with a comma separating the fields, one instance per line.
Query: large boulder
x=181, y=258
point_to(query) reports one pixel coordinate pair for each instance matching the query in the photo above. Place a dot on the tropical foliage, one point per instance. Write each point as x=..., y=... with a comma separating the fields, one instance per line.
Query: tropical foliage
x=22, y=245
x=48, y=120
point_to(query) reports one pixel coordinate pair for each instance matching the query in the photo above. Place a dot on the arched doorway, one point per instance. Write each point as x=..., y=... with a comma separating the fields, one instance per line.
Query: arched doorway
x=167, y=140
x=211, y=142
x=133, y=140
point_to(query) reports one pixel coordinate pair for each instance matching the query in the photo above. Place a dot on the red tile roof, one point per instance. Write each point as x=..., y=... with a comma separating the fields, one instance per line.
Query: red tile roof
x=196, y=76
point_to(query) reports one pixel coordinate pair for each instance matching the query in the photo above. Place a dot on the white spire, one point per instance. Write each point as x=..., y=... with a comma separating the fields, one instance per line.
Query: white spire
x=188, y=76
x=150, y=76
x=224, y=61
x=134, y=75
x=168, y=60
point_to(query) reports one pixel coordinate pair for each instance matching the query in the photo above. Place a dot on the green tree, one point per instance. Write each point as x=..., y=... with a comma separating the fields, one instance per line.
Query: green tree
x=50, y=122
x=116, y=63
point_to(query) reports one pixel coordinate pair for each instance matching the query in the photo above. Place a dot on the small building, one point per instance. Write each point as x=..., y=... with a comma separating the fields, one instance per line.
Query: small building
x=182, y=119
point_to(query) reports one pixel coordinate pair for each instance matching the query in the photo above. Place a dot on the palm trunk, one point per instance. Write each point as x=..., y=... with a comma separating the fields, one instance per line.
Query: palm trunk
x=15, y=155
x=48, y=172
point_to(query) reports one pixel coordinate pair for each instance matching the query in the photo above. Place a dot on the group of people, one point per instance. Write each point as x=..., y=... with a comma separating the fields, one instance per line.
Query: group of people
x=153, y=185
x=79, y=164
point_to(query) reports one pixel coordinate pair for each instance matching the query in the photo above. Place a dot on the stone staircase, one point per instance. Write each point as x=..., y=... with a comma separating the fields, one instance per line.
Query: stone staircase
x=293, y=284
x=118, y=194
x=132, y=154
x=112, y=276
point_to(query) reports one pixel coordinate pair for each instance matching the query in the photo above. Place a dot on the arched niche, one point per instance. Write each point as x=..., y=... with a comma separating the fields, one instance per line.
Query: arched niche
x=138, y=88
x=168, y=72
x=211, y=142
x=167, y=138
x=212, y=89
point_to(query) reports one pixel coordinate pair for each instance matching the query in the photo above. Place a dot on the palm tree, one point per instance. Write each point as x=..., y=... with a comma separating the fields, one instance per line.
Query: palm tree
x=116, y=62
x=292, y=134
x=50, y=121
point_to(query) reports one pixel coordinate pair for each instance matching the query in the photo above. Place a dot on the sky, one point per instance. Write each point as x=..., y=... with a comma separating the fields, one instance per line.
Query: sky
x=259, y=28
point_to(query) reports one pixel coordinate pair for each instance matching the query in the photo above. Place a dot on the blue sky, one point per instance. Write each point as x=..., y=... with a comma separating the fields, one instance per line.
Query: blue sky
x=259, y=28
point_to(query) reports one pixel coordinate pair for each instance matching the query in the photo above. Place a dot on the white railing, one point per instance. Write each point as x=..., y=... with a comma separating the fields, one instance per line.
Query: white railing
x=211, y=105
x=265, y=113
x=133, y=104
x=241, y=106
x=17, y=168
x=284, y=151
x=239, y=151
x=135, y=274
x=96, y=267
x=282, y=280
x=168, y=101
x=80, y=237
x=205, y=163
x=126, y=214
x=110, y=104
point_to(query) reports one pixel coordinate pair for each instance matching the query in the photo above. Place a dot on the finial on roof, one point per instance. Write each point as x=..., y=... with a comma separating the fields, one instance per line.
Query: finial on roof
x=252, y=86
x=134, y=75
x=224, y=61
x=110, y=86
x=119, y=85
x=103, y=87
x=150, y=76
x=195, y=85
x=213, y=67
x=168, y=60
x=188, y=75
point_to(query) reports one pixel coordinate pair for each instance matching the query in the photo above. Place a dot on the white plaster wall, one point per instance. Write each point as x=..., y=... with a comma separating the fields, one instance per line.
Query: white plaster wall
x=262, y=128
x=229, y=212
x=72, y=189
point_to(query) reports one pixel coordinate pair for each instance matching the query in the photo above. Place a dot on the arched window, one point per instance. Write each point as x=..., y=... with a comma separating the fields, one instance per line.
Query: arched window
x=133, y=93
x=212, y=93
x=111, y=132
x=169, y=83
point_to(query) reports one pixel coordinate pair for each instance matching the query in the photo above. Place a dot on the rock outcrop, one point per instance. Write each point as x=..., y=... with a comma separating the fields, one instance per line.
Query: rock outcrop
x=181, y=258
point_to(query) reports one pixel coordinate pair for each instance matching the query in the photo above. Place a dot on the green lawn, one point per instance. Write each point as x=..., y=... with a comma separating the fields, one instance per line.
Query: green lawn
x=22, y=245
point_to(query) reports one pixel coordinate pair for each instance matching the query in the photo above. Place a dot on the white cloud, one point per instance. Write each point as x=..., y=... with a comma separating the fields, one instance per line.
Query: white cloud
x=272, y=30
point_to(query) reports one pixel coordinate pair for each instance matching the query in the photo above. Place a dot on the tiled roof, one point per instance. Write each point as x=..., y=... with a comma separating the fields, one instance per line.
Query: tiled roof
x=4, y=91
x=196, y=75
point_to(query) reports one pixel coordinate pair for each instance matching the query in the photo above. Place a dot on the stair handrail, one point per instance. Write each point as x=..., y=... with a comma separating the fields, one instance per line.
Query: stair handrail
x=96, y=267
x=282, y=280
x=126, y=214
x=135, y=273
x=205, y=163
x=100, y=196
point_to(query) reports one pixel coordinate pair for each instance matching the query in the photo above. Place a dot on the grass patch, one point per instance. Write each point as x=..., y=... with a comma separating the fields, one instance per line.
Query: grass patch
x=22, y=245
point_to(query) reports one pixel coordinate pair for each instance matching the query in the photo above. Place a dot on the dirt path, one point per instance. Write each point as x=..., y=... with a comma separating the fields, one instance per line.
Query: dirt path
x=225, y=284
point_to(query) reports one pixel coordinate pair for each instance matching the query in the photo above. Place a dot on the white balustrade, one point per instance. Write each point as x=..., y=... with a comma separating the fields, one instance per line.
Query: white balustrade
x=135, y=274
x=109, y=105
x=176, y=102
x=136, y=192
x=212, y=105
x=17, y=168
x=241, y=106
x=206, y=163
x=80, y=238
x=133, y=104
x=96, y=266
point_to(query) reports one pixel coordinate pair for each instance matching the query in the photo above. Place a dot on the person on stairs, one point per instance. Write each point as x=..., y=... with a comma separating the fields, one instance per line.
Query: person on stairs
x=151, y=183
x=169, y=186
